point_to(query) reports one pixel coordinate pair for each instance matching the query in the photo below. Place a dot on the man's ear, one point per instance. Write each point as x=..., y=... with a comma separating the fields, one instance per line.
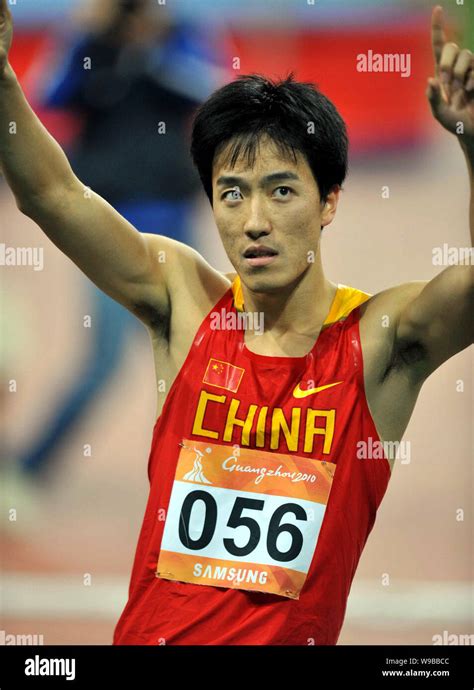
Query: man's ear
x=329, y=206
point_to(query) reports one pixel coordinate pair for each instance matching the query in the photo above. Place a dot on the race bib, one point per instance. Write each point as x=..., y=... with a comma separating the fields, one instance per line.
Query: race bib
x=243, y=518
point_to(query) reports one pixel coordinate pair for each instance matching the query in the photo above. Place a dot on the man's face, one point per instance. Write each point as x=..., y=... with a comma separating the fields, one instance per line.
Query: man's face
x=274, y=205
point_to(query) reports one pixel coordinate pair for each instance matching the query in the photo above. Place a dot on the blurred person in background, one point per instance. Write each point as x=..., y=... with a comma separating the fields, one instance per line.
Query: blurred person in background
x=134, y=76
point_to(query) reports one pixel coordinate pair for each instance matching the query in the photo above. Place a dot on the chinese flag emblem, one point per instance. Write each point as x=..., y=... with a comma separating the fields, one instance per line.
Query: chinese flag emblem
x=223, y=375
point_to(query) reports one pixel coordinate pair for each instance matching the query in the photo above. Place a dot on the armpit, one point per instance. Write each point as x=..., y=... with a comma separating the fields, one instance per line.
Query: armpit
x=158, y=322
x=407, y=354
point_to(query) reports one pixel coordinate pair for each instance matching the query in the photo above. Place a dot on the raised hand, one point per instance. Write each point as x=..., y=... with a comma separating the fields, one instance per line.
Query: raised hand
x=6, y=31
x=451, y=91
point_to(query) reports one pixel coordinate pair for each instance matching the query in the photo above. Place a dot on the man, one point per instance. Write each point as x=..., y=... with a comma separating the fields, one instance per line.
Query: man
x=260, y=503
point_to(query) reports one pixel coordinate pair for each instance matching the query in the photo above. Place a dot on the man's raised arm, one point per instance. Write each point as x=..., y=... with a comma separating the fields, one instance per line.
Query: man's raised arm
x=130, y=267
x=451, y=94
x=440, y=318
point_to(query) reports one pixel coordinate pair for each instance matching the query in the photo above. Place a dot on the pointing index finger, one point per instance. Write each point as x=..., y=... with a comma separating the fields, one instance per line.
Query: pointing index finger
x=438, y=35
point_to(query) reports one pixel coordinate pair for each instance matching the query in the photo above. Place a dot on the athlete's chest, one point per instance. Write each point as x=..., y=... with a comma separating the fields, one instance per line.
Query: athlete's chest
x=302, y=405
x=265, y=434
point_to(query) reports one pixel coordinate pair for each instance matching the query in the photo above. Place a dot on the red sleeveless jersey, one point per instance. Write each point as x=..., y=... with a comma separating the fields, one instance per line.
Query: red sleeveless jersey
x=261, y=496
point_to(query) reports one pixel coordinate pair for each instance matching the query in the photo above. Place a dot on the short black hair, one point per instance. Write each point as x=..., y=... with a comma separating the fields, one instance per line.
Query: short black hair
x=295, y=115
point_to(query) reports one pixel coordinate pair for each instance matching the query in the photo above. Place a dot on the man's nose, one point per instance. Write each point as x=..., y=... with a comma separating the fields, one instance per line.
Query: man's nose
x=258, y=223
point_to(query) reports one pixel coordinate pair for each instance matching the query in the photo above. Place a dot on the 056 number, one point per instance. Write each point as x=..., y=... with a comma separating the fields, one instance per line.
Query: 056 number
x=236, y=519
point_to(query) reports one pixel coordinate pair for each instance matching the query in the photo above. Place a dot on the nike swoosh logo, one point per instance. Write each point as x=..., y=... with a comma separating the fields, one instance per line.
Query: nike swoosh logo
x=298, y=393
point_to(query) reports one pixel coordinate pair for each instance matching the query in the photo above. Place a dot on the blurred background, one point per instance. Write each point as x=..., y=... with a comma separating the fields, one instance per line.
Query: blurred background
x=78, y=404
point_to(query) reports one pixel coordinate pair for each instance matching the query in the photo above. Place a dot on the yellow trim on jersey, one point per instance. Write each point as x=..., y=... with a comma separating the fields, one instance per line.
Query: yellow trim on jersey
x=238, y=294
x=346, y=299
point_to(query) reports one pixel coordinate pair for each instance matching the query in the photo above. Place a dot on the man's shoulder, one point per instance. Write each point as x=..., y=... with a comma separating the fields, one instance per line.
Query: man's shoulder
x=379, y=319
x=193, y=286
x=385, y=307
x=187, y=272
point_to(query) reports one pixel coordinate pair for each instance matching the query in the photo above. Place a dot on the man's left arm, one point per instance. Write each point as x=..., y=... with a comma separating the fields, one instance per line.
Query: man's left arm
x=440, y=319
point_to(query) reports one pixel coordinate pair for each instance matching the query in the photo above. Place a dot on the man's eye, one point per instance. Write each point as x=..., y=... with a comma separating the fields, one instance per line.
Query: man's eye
x=287, y=189
x=231, y=191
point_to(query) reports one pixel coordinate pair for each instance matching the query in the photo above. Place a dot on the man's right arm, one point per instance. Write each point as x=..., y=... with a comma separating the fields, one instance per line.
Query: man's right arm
x=129, y=266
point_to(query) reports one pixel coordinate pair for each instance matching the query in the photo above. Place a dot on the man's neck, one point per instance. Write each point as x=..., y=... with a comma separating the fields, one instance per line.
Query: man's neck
x=300, y=309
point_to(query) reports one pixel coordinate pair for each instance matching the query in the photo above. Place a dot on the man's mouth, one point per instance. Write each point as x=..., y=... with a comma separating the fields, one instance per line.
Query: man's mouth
x=259, y=255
